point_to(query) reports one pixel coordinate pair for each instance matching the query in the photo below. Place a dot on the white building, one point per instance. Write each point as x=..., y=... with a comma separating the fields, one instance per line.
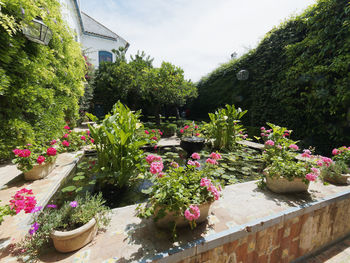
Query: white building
x=97, y=40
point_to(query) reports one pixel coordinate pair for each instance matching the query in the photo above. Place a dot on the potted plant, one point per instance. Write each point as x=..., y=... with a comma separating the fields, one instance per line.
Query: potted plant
x=283, y=173
x=190, y=139
x=36, y=162
x=71, y=226
x=180, y=196
x=74, y=140
x=336, y=171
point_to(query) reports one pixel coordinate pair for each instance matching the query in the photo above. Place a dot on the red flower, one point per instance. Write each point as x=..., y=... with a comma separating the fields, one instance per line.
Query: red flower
x=182, y=130
x=51, y=151
x=83, y=138
x=65, y=143
x=40, y=159
x=92, y=140
x=24, y=153
x=147, y=132
x=66, y=127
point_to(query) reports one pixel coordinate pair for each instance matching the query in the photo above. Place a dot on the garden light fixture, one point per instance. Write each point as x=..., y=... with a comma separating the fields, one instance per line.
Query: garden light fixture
x=242, y=74
x=38, y=32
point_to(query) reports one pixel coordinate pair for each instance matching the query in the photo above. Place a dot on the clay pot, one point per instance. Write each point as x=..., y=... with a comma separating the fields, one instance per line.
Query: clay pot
x=40, y=171
x=342, y=179
x=282, y=186
x=181, y=221
x=74, y=239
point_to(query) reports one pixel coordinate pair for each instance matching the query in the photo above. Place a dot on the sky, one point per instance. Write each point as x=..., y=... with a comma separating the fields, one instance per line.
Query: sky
x=196, y=35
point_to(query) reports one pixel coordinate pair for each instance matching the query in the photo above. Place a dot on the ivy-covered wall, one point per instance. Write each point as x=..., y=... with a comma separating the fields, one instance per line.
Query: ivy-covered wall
x=39, y=85
x=299, y=77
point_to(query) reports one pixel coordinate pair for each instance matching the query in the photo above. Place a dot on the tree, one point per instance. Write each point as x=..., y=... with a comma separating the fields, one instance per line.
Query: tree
x=166, y=86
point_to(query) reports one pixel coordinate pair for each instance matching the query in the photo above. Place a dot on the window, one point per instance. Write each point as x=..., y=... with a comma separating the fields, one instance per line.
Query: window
x=104, y=56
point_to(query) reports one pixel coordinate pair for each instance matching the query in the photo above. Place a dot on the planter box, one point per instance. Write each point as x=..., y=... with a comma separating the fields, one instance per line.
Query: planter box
x=343, y=179
x=181, y=221
x=75, y=239
x=40, y=171
x=281, y=185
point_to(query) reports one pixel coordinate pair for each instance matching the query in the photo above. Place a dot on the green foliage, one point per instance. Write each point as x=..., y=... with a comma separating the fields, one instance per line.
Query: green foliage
x=65, y=218
x=342, y=154
x=39, y=85
x=298, y=77
x=136, y=82
x=5, y=211
x=177, y=189
x=334, y=170
x=224, y=127
x=118, y=146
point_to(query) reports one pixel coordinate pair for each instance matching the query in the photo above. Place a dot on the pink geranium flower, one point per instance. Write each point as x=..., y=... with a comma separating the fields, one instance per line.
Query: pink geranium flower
x=83, y=138
x=192, y=213
x=335, y=151
x=306, y=153
x=51, y=151
x=66, y=127
x=294, y=147
x=311, y=176
x=211, y=161
x=73, y=204
x=270, y=143
x=66, y=135
x=92, y=140
x=156, y=167
x=65, y=143
x=53, y=142
x=195, y=156
x=182, y=130
x=40, y=159
x=190, y=162
x=147, y=132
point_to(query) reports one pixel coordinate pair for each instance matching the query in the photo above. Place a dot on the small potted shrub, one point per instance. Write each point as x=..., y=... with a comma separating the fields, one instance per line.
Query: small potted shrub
x=71, y=226
x=181, y=196
x=336, y=171
x=283, y=173
x=36, y=162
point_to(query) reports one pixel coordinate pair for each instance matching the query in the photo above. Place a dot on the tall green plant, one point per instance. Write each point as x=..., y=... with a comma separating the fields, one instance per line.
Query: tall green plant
x=224, y=127
x=118, y=146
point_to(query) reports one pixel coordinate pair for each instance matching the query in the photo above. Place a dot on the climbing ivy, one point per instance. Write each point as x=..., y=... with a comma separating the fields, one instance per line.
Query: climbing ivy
x=299, y=77
x=39, y=85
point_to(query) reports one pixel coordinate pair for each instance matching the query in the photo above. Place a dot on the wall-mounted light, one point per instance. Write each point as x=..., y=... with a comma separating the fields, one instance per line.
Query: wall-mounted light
x=38, y=32
x=242, y=74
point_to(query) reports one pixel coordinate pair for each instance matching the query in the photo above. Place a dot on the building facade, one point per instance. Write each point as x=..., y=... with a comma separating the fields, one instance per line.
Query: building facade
x=97, y=41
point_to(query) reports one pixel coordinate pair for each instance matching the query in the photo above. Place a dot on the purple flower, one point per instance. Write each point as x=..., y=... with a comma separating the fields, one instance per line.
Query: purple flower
x=73, y=204
x=34, y=228
x=52, y=206
x=36, y=209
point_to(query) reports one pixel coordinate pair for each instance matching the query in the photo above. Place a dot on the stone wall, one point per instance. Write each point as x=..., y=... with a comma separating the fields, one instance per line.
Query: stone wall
x=288, y=240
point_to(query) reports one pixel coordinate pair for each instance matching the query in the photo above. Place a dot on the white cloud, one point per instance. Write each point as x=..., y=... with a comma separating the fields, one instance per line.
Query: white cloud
x=196, y=35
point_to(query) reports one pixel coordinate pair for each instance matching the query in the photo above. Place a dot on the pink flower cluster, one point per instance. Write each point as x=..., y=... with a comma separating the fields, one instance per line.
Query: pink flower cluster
x=192, y=213
x=51, y=151
x=324, y=161
x=156, y=167
x=313, y=175
x=340, y=150
x=152, y=158
x=40, y=159
x=194, y=163
x=215, y=156
x=23, y=200
x=306, y=153
x=195, y=156
x=205, y=182
x=270, y=143
x=53, y=142
x=65, y=143
x=22, y=153
x=264, y=132
x=294, y=147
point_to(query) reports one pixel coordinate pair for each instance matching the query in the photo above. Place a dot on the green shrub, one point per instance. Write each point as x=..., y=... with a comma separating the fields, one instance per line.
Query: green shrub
x=298, y=77
x=39, y=85
x=119, y=157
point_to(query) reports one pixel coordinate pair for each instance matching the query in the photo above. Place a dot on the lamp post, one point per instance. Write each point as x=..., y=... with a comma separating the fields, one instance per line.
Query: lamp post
x=38, y=32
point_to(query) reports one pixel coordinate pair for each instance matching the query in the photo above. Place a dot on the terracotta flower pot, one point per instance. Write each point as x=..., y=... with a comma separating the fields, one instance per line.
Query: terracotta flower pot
x=75, y=239
x=281, y=185
x=343, y=179
x=181, y=221
x=40, y=171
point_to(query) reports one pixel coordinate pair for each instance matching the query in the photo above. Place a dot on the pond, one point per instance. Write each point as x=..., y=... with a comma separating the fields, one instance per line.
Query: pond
x=242, y=165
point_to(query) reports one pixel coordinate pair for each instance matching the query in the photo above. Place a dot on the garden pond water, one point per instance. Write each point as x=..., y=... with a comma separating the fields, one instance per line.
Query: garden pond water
x=242, y=165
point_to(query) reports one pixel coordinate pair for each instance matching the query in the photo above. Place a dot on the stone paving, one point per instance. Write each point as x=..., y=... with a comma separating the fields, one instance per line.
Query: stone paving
x=130, y=239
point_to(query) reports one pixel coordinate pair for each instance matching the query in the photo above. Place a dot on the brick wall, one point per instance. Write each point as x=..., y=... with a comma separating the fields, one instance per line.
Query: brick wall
x=285, y=241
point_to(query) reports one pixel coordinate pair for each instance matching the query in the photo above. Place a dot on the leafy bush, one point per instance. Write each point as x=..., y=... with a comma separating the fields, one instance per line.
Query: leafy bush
x=224, y=127
x=119, y=157
x=298, y=77
x=39, y=85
